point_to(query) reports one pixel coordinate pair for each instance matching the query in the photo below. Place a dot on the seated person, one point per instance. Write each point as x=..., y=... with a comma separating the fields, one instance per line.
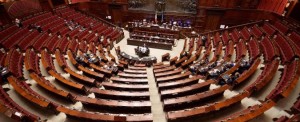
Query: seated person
x=30, y=27
x=193, y=69
x=39, y=29
x=213, y=73
x=82, y=28
x=203, y=70
x=230, y=80
x=223, y=69
x=236, y=75
x=80, y=59
x=204, y=40
x=229, y=64
x=245, y=64
x=223, y=80
x=143, y=49
x=18, y=23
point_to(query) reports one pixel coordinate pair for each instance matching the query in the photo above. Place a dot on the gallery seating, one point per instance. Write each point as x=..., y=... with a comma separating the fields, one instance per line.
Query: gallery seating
x=285, y=49
x=245, y=33
x=281, y=27
x=254, y=50
x=14, y=63
x=269, y=50
x=240, y=50
x=179, y=83
x=14, y=110
x=287, y=81
x=32, y=61
x=251, y=112
x=265, y=77
x=256, y=32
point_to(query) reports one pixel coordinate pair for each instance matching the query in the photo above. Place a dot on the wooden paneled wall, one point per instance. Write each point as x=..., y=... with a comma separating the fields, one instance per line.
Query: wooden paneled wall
x=210, y=13
x=4, y=17
x=276, y=6
x=246, y=4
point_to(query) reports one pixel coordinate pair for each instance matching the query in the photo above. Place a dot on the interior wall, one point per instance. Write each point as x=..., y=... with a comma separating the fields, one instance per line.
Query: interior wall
x=295, y=12
x=276, y=6
x=58, y=2
x=210, y=13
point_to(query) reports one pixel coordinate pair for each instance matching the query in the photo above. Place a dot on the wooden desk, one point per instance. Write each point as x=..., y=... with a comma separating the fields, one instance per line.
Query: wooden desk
x=152, y=38
x=126, y=75
x=137, y=68
x=60, y=59
x=180, y=61
x=79, y=77
x=107, y=73
x=90, y=73
x=188, y=62
x=165, y=57
x=135, y=71
x=139, y=65
x=128, y=95
x=251, y=112
x=125, y=87
x=132, y=59
x=20, y=87
x=160, y=66
x=47, y=60
x=180, y=83
x=72, y=59
x=287, y=83
x=174, y=77
x=48, y=86
x=154, y=34
x=125, y=63
x=89, y=116
x=232, y=69
x=149, y=43
x=70, y=83
x=180, y=102
x=146, y=105
x=184, y=115
x=229, y=50
x=249, y=72
x=31, y=61
x=169, y=68
x=188, y=90
x=173, y=60
x=230, y=101
x=11, y=109
x=265, y=77
x=155, y=30
x=129, y=80
x=168, y=73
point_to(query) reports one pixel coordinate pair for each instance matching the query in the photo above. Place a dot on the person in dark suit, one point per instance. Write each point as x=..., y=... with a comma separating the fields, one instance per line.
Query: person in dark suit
x=204, y=40
x=39, y=29
x=18, y=23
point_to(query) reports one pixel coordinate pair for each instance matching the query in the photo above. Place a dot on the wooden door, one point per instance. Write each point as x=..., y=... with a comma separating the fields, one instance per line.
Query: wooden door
x=116, y=13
